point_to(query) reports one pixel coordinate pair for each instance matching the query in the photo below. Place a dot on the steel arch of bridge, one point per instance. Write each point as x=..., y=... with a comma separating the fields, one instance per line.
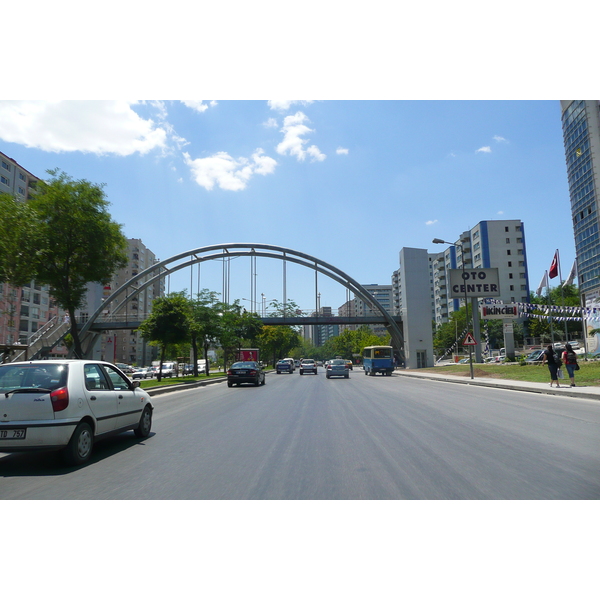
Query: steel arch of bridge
x=170, y=265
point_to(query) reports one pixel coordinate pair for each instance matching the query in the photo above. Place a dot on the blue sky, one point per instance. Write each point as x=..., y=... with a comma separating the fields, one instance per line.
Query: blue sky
x=349, y=182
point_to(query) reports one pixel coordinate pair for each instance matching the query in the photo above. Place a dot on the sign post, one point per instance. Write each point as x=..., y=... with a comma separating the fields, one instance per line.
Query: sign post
x=474, y=284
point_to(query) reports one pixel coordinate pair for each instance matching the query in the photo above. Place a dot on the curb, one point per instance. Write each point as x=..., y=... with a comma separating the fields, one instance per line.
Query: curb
x=517, y=386
x=157, y=391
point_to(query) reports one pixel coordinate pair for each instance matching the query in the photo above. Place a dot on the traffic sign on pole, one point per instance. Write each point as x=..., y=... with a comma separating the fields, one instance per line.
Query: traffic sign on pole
x=469, y=340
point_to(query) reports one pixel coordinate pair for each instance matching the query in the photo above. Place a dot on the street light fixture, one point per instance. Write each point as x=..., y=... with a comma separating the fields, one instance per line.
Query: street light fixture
x=462, y=252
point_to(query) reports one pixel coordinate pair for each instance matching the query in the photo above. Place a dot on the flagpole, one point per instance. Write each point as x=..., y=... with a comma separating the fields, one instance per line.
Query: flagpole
x=550, y=315
x=562, y=295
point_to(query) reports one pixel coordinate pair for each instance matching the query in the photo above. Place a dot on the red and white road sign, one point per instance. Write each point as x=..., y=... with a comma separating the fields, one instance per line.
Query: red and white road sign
x=469, y=340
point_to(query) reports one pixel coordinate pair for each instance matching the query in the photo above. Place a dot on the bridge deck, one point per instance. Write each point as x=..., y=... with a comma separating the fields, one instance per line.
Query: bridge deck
x=119, y=323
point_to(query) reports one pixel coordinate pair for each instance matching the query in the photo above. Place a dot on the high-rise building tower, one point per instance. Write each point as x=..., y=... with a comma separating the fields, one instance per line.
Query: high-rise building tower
x=581, y=133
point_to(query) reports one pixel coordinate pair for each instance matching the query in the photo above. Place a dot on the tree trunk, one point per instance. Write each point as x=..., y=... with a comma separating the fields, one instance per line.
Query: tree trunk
x=77, y=351
x=163, y=351
x=195, y=354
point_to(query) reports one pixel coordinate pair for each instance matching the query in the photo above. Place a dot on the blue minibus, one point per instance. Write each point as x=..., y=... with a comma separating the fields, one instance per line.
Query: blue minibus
x=378, y=359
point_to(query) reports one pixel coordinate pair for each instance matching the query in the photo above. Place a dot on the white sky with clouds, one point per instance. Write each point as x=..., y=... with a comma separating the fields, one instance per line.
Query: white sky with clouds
x=351, y=176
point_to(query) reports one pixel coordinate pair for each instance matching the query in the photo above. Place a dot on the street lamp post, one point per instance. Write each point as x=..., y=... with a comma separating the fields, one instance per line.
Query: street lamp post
x=462, y=252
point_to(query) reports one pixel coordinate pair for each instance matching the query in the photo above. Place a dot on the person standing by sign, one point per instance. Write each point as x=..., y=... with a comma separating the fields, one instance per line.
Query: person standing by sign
x=570, y=360
x=550, y=358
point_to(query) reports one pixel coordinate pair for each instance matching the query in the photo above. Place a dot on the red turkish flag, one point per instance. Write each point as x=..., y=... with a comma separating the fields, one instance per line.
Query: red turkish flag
x=553, y=272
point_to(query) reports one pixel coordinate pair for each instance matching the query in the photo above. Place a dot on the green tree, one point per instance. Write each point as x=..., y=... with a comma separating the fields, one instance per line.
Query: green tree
x=541, y=327
x=352, y=342
x=168, y=323
x=17, y=247
x=77, y=241
x=238, y=328
x=17, y=241
x=206, y=325
x=277, y=341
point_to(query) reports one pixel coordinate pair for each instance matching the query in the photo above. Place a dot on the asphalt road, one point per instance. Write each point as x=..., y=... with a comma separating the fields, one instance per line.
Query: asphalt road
x=306, y=437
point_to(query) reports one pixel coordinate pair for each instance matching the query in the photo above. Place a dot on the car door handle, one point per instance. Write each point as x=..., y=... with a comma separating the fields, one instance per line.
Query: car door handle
x=92, y=397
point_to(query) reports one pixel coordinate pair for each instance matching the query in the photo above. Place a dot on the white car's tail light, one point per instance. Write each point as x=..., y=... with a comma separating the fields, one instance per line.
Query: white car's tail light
x=60, y=399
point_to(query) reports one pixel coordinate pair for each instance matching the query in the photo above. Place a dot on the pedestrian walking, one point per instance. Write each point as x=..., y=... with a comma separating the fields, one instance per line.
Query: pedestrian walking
x=570, y=360
x=551, y=359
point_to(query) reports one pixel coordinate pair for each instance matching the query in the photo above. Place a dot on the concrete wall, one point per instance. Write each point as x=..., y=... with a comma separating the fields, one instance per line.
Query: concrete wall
x=416, y=309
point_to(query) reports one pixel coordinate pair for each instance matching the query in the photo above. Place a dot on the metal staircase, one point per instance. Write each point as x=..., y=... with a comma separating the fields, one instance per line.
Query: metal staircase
x=43, y=339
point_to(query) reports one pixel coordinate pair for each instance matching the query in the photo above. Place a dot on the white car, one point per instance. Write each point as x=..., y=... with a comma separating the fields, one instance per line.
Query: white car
x=141, y=373
x=67, y=405
x=308, y=365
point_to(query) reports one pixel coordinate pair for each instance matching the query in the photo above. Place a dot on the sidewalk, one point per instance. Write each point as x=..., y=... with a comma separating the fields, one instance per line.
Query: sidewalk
x=590, y=392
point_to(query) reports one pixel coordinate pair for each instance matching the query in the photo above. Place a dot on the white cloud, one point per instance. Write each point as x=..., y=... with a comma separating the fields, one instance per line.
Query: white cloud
x=271, y=122
x=500, y=139
x=342, y=151
x=486, y=149
x=431, y=222
x=315, y=153
x=198, y=105
x=228, y=173
x=99, y=127
x=500, y=212
x=284, y=105
x=293, y=143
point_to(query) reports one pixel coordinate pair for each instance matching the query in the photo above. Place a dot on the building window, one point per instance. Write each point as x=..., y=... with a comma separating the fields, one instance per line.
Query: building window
x=506, y=229
x=509, y=263
x=508, y=240
x=6, y=166
x=508, y=252
x=512, y=288
x=4, y=180
x=22, y=177
x=510, y=275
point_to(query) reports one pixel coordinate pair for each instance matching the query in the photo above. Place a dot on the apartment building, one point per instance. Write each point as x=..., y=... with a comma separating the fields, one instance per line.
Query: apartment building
x=381, y=293
x=127, y=346
x=400, y=283
x=320, y=333
x=490, y=244
x=581, y=134
x=26, y=310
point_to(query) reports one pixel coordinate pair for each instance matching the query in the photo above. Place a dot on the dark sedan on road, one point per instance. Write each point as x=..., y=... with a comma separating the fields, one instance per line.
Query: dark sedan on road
x=285, y=365
x=245, y=372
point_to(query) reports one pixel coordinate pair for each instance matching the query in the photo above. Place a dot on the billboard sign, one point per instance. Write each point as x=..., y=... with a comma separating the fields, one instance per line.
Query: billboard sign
x=499, y=311
x=475, y=283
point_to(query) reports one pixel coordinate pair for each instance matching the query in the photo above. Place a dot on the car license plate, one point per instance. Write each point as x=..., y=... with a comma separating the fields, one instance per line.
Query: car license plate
x=241, y=372
x=13, y=434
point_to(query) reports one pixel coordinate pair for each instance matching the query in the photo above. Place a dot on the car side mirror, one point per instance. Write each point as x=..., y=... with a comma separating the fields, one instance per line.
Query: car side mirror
x=135, y=383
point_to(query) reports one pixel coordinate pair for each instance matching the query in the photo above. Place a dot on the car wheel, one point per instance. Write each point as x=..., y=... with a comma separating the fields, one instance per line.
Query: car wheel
x=347, y=376
x=80, y=445
x=264, y=381
x=257, y=382
x=229, y=384
x=301, y=372
x=145, y=424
